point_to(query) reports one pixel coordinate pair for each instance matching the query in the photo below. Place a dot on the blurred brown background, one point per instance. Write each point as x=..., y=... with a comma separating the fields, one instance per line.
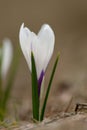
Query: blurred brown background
x=68, y=18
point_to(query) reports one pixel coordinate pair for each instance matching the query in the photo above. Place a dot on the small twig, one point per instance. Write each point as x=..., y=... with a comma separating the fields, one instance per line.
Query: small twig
x=80, y=106
x=76, y=108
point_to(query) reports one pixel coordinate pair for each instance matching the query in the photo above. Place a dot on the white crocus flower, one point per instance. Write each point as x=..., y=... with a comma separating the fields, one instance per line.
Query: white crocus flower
x=42, y=46
x=7, y=54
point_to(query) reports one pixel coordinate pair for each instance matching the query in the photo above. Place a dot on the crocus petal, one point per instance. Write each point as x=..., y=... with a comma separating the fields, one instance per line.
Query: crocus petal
x=46, y=35
x=42, y=46
x=7, y=53
x=25, y=43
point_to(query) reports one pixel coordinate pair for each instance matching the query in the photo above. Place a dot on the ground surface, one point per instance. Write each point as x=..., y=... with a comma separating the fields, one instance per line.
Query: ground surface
x=63, y=122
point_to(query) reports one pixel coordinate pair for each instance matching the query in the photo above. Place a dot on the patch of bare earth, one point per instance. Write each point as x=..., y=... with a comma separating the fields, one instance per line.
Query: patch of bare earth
x=67, y=121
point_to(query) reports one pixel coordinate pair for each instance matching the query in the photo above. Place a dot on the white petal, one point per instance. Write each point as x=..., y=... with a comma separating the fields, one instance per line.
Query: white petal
x=45, y=47
x=25, y=43
x=46, y=34
x=7, y=52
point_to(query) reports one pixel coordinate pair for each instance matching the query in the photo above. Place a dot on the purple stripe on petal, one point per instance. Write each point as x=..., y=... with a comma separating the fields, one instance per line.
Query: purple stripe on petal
x=40, y=82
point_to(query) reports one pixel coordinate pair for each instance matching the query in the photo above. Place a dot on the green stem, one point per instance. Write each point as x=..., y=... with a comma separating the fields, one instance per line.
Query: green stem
x=0, y=79
x=35, y=98
x=0, y=85
x=1, y=93
x=48, y=89
x=9, y=85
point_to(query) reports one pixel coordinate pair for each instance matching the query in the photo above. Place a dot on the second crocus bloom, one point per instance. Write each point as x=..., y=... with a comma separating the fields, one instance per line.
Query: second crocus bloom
x=6, y=55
